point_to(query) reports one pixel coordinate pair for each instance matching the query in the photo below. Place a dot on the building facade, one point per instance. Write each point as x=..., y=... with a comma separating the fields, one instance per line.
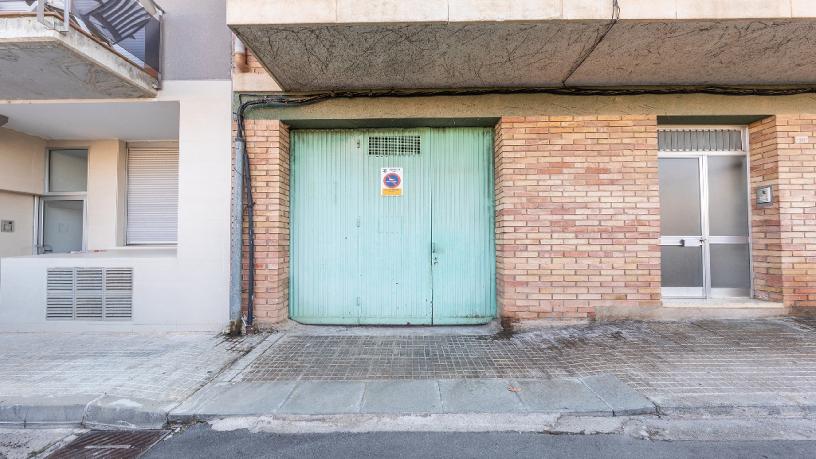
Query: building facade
x=453, y=162
x=114, y=166
x=435, y=162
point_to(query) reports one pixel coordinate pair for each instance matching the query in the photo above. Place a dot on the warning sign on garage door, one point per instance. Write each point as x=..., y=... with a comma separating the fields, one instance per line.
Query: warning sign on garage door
x=391, y=181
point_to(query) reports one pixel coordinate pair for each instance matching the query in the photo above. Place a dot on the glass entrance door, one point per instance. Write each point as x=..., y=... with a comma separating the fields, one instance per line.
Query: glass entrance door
x=727, y=236
x=681, y=228
x=704, y=226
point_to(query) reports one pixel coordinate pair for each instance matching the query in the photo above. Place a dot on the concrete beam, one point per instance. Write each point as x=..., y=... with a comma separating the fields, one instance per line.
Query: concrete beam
x=256, y=12
x=492, y=106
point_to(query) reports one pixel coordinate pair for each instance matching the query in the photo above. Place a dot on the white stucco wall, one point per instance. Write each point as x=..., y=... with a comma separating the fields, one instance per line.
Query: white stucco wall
x=22, y=171
x=22, y=162
x=182, y=288
x=19, y=208
x=201, y=278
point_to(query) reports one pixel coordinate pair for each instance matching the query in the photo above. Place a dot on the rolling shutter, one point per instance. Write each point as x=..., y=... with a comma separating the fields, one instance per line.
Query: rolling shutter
x=152, y=194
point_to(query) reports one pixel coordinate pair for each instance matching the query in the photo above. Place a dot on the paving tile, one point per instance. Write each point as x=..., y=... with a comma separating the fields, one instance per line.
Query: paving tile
x=620, y=397
x=324, y=397
x=668, y=360
x=399, y=396
x=561, y=395
x=242, y=399
x=479, y=396
x=144, y=366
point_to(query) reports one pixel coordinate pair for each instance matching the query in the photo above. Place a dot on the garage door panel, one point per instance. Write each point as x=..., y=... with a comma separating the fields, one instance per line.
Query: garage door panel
x=325, y=241
x=464, y=267
x=395, y=234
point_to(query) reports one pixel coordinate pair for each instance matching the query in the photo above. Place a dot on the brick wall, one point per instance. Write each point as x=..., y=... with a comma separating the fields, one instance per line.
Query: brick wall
x=267, y=143
x=766, y=245
x=577, y=215
x=254, y=64
x=783, y=155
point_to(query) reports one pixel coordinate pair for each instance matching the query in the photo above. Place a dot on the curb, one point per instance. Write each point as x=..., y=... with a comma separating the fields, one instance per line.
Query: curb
x=452, y=422
x=84, y=411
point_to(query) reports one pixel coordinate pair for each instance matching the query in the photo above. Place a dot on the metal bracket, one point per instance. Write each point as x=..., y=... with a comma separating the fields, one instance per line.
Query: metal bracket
x=66, y=16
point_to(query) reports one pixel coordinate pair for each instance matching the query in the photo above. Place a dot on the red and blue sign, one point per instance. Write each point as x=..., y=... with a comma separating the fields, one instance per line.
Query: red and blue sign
x=391, y=181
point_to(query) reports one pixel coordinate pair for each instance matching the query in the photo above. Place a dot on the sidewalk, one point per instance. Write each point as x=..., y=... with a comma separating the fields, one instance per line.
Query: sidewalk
x=106, y=379
x=704, y=368
x=424, y=378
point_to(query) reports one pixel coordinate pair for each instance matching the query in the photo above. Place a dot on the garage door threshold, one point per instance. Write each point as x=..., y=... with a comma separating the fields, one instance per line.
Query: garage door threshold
x=297, y=329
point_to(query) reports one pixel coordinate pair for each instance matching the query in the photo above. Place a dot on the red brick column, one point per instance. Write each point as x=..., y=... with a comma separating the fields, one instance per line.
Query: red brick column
x=577, y=215
x=267, y=143
x=783, y=155
x=766, y=243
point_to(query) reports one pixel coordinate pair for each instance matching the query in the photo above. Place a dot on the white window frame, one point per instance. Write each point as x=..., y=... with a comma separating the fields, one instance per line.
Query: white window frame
x=49, y=195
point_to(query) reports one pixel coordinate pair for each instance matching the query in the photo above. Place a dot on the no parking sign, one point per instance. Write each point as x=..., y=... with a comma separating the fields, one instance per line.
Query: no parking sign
x=391, y=181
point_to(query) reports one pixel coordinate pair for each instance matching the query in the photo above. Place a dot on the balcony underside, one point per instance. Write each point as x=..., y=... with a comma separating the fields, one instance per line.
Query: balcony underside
x=548, y=53
x=38, y=63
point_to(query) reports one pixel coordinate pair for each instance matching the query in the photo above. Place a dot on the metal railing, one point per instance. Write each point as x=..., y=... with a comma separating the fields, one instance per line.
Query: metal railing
x=132, y=28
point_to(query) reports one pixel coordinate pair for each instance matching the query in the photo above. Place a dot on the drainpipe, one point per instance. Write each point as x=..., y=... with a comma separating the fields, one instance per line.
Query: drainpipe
x=236, y=236
x=242, y=194
x=239, y=55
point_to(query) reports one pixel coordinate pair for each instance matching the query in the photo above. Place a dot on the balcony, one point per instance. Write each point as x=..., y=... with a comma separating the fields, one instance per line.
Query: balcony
x=391, y=44
x=80, y=49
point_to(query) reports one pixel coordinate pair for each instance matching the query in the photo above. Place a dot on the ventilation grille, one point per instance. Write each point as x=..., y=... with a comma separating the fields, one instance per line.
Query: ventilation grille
x=89, y=294
x=699, y=140
x=399, y=145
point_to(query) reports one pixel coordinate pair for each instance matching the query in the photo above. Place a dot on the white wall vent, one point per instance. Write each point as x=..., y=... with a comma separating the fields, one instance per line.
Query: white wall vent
x=89, y=294
x=396, y=145
x=699, y=140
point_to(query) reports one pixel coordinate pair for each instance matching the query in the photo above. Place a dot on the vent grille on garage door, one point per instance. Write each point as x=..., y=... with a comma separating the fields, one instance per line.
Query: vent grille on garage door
x=397, y=145
x=89, y=294
x=699, y=140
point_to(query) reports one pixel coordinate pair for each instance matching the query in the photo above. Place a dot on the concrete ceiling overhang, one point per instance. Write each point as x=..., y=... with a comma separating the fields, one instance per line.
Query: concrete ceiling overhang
x=38, y=63
x=427, y=55
x=132, y=120
x=703, y=52
x=546, y=53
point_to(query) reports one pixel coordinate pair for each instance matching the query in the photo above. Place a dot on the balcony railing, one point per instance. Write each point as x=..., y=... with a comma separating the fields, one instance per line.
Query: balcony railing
x=131, y=28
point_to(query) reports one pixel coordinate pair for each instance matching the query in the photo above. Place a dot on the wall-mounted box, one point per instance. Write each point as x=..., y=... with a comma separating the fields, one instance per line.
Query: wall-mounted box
x=764, y=195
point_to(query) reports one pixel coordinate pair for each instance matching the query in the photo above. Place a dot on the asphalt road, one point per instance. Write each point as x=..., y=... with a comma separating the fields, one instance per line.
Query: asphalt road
x=201, y=442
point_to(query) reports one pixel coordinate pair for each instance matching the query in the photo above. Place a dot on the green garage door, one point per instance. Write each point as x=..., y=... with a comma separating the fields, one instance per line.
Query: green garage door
x=392, y=226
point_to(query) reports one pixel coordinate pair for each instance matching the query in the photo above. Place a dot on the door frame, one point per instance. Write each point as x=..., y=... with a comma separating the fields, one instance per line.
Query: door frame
x=293, y=158
x=702, y=157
